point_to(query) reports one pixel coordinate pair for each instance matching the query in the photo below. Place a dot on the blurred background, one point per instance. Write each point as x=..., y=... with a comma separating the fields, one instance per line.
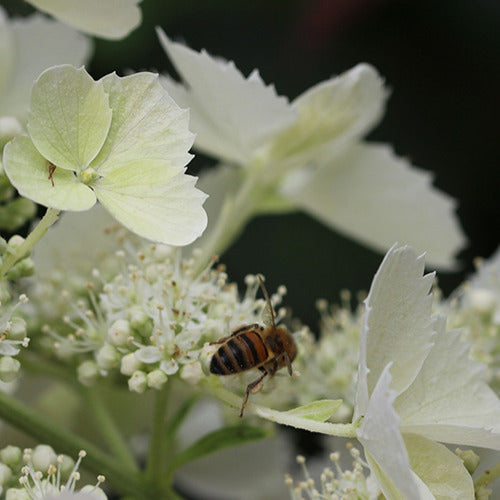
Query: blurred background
x=442, y=63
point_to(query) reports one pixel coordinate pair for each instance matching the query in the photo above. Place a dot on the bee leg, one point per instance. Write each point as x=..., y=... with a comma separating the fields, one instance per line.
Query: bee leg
x=219, y=341
x=252, y=388
x=288, y=364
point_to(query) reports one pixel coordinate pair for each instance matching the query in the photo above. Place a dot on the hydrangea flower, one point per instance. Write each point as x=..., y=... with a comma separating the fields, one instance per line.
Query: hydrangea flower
x=112, y=19
x=417, y=387
x=122, y=141
x=28, y=46
x=308, y=155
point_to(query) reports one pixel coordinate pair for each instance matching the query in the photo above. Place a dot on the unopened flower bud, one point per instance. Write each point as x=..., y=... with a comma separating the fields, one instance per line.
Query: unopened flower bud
x=5, y=475
x=21, y=269
x=482, y=300
x=42, y=457
x=11, y=456
x=88, y=373
x=17, y=329
x=107, y=357
x=66, y=465
x=95, y=492
x=470, y=459
x=17, y=494
x=192, y=373
x=9, y=368
x=156, y=379
x=130, y=364
x=138, y=382
x=119, y=332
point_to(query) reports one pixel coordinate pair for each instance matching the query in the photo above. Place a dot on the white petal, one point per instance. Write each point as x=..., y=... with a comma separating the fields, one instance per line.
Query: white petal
x=233, y=116
x=377, y=198
x=441, y=470
x=449, y=400
x=146, y=125
x=332, y=113
x=397, y=326
x=154, y=200
x=38, y=43
x=113, y=19
x=384, y=447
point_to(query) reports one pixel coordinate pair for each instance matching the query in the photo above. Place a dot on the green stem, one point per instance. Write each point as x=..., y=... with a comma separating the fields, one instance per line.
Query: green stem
x=108, y=428
x=487, y=477
x=283, y=417
x=47, y=220
x=120, y=476
x=157, y=451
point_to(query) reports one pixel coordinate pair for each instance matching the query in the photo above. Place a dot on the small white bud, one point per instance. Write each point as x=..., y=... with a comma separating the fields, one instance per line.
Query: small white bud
x=66, y=465
x=107, y=357
x=17, y=494
x=11, y=456
x=119, y=332
x=138, y=318
x=130, y=364
x=156, y=379
x=192, y=373
x=17, y=328
x=482, y=300
x=9, y=368
x=88, y=373
x=96, y=492
x=5, y=475
x=138, y=382
x=42, y=457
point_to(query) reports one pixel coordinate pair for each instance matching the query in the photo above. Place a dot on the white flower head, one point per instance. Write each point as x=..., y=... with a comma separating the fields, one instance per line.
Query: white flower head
x=417, y=386
x=112, y=19
x=310, y=154
x=122, y=141
x=28, y=46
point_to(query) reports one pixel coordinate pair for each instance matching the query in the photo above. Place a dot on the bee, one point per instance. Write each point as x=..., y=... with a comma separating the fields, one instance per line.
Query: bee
x=267, y=348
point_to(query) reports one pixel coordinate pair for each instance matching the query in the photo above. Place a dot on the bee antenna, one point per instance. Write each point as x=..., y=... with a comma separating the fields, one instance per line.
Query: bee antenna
x=266, y=296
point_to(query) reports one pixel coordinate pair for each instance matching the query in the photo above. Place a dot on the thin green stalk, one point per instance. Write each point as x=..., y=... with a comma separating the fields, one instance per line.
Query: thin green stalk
x=47, y=220
x=487, y=477
x=108, y=428
x=157, y=451
x=120, y=476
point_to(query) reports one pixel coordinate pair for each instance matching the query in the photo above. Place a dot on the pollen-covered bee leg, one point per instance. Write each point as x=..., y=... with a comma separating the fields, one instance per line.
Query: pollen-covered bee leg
x=252, y=388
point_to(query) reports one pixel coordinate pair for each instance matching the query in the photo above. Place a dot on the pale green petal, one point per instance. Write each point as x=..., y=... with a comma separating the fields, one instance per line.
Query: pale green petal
x=375, y=197
x=28, y=171
x=449, y=400
x=113, y=19
x=397, y=326
x=441, y=470
x=147, y=124
x=6, y=57
x=154, y=200
x=39, y=43
x=69, y=117
x=233, y=116
x=332, y=113
x=384, y=447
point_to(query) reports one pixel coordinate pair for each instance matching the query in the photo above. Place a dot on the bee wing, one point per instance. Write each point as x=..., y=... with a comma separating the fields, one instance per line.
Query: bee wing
x=268, y=313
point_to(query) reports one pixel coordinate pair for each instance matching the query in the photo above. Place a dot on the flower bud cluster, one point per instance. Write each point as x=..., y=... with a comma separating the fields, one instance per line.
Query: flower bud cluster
x=475, y=309
x=31, y=474
x=152, y=318
x=335, y=483
x=12, y=337
x=23, y=267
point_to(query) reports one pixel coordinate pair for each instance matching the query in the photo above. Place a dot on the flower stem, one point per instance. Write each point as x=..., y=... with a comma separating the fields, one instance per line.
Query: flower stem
x=47, y=220
x=283, y=417
x=157, y=451
x=119, y=475
x=108, y=428
x=487, y=477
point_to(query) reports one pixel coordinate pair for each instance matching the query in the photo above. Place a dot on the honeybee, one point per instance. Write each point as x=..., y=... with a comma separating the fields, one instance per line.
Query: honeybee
x=267, y=348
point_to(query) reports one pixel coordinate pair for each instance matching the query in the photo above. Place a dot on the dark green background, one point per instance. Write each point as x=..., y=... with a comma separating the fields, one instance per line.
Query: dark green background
x=441, y=60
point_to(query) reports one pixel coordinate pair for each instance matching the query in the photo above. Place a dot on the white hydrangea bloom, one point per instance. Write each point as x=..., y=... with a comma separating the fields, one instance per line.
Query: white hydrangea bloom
x=310, y=155
x=417, y=386
x=27, y=47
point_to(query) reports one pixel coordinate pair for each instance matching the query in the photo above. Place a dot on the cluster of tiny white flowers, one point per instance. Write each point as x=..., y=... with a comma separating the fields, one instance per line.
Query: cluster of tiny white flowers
x=32, y=474
x=152, y=319
x=335, y=483
x=12, y=338
x=475, y=309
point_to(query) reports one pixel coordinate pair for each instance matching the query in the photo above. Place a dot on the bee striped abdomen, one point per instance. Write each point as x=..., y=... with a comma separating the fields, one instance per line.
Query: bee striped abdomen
x=240, y=352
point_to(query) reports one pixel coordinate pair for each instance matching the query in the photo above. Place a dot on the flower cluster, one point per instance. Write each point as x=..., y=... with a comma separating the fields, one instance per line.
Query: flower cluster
x=40, y=474
x=336, y=483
